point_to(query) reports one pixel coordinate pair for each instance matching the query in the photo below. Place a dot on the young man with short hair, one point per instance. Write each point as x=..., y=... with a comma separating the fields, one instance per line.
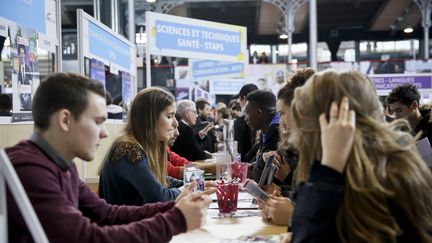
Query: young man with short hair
x=69, y=112
x=261, y=115
x=404, y=102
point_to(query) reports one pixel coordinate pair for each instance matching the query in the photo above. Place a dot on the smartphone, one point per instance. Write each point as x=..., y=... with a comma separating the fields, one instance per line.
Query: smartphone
x=268, y=172
x=252, y=188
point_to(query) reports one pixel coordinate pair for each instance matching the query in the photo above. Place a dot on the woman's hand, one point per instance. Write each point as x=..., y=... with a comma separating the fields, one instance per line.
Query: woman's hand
x=272, y=189
x=337, y=135
x=285, y=238
x=282, y=169
x=279, y=209
x=267, y=155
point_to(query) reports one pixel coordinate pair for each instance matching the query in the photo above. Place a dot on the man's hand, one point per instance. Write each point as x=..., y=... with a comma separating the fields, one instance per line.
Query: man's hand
x=207, y=167
x=194, y=208
x=203, y=132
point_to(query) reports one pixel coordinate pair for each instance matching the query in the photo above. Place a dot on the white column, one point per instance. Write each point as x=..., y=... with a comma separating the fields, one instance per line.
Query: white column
x=131, y=20
x=313, y=34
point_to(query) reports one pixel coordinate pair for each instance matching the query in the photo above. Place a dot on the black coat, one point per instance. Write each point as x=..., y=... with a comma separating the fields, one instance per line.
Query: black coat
x=186, y=144
x=245, y=138
x=317, y=204
x=270, y=143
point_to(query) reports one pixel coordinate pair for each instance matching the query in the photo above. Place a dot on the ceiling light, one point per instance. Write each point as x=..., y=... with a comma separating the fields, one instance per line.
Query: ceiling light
x=151, y=1
x=283, y=36
x=408, y=30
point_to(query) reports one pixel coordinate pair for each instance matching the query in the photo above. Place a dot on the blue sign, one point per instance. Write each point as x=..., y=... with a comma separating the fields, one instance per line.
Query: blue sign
x=227, y=86
x=29, y=13
x=126, y=87
x=107, y=46
x=183, y=37
x=209, y=68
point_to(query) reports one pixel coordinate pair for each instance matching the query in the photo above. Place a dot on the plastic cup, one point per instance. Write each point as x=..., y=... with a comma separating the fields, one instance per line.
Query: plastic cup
x=227, y=198
x=239, y=171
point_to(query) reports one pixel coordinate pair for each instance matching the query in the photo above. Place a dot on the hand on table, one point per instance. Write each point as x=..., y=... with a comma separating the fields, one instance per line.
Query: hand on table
x=279, y=210
x=285, y=238
x=207, y=167
x=194, y=208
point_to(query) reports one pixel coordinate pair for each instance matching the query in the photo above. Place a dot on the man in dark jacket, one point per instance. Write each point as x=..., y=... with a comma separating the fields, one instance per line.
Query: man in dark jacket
x=404, y=102
x=186, y=144
x=261, y=115
x=204, y=125
x=243, y=134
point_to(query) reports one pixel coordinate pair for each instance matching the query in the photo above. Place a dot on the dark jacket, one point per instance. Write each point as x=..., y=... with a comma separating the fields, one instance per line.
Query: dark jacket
x=208, y=142
x=269, y=142
x=186, y=144
x=290, y=157
x=425, y=125
x=317, y=204
x=245, y=138
x=127, y=179
x=70, y=212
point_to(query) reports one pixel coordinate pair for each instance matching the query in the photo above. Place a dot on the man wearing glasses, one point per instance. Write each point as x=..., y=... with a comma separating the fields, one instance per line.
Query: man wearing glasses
x=186, y=144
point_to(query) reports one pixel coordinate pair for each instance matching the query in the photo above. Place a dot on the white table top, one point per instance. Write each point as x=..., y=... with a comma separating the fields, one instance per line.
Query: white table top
x=216, y=230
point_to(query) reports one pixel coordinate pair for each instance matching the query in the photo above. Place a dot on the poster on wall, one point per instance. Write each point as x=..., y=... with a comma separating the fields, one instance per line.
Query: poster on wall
x=24, y=74
x=270, y=77
x=126, y=87
x=181, y=76
x=97, y=71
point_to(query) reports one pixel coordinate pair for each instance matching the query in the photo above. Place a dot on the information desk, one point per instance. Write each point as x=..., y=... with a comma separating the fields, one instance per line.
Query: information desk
x=216, y=230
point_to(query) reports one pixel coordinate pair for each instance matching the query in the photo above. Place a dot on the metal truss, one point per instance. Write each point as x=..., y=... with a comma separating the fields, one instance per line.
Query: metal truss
x=288, y=8
x=425, y=8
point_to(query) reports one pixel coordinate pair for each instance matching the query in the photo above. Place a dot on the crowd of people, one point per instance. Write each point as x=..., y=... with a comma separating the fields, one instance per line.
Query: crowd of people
x=343, y=173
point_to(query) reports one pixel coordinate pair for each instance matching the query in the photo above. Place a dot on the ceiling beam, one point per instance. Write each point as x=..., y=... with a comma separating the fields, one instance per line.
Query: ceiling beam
x=377, y=14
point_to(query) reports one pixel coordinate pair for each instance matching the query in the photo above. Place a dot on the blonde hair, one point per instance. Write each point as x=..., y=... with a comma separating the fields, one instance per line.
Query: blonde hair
x=384, y=170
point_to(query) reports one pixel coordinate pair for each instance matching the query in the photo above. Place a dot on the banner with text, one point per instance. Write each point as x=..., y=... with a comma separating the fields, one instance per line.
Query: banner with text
x=226, y=86
x=202, y=69
x=108, y=47
x=385, y=83
x=170, y=35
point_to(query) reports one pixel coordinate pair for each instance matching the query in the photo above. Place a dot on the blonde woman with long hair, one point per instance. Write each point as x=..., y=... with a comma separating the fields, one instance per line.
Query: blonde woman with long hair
x=134, y=171
x=358, y=178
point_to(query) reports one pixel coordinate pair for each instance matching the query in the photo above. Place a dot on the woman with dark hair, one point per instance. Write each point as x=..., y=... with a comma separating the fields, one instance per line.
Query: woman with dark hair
x=134, y=171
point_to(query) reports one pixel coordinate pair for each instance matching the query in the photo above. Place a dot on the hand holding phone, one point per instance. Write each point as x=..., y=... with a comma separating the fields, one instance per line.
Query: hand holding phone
x=252, y=188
